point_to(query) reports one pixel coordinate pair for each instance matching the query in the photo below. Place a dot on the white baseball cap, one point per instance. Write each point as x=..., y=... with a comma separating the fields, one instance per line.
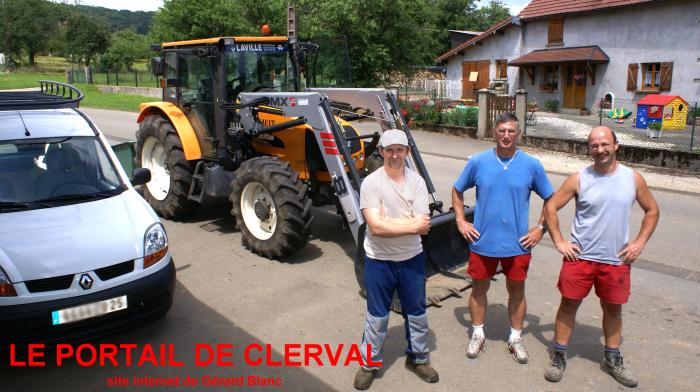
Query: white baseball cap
x=393, y=136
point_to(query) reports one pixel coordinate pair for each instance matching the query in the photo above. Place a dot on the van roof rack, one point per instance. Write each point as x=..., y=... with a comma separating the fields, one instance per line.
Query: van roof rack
x=51, y=95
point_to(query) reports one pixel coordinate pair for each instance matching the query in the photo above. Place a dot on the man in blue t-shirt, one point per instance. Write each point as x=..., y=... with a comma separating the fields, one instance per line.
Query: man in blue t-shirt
x=503, y=177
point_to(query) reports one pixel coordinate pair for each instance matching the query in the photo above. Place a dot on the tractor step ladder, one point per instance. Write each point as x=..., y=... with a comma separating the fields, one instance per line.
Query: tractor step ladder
x=197, y=177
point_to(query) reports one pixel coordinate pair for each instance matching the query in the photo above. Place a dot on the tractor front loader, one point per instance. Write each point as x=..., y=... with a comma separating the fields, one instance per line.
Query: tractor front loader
x=233, y=123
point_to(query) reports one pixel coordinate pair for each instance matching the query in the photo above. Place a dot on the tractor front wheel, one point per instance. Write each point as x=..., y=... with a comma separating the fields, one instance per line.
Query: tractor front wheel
x=159, y=149
x=271, y=207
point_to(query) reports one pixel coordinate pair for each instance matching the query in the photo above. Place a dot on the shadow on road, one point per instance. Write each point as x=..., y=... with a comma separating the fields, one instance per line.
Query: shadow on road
x=189, y=322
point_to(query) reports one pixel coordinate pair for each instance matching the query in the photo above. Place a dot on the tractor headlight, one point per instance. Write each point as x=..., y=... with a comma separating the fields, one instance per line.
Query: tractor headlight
x=6, y=287
x=155, y=245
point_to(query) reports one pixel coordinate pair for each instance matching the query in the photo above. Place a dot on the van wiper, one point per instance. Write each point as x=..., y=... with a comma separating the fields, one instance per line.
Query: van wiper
x=12, y=205
x=81, y=196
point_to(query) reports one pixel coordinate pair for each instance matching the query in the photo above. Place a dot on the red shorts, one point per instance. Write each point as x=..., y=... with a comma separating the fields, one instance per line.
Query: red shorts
x=612, y=282
x=484, y=267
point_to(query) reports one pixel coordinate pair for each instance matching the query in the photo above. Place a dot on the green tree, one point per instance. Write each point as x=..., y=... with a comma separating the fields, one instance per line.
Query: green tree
x=186, y=19
x=493, y=13
x=382, y=36
x=86, y=37
x=26, y=25
x=126, y=48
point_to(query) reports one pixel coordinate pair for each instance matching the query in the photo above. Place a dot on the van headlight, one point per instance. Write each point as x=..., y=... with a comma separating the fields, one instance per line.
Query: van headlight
x=6, y=287
x=155, y=245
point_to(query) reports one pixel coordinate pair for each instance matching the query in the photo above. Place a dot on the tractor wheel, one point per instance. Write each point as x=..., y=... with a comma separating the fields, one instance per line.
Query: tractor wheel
x=271, y=207
x=159, y=149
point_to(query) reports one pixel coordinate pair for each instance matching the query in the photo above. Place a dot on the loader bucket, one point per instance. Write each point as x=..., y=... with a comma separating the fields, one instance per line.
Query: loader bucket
x=447, y=255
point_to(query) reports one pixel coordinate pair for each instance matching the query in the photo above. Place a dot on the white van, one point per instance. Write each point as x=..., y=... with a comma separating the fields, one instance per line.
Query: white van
x=82, y=254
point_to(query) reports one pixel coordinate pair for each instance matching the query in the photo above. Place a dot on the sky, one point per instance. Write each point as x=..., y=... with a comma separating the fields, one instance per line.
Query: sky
x=152, y=5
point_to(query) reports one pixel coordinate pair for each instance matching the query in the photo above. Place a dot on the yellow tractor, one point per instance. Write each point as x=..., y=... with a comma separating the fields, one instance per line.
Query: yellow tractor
x=268, y=123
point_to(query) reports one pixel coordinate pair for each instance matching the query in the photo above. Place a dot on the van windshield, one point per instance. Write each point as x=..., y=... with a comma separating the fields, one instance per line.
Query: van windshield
x=39, y=173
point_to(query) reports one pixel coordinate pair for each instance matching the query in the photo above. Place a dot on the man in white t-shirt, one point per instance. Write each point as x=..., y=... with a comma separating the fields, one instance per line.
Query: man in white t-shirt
x=395, y=205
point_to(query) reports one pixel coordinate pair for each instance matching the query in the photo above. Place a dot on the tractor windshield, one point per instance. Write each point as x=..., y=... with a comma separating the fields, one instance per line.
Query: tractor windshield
x=258, y=67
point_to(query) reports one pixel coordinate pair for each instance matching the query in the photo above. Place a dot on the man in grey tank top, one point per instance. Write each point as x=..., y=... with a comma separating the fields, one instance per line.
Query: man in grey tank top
x=599, y=253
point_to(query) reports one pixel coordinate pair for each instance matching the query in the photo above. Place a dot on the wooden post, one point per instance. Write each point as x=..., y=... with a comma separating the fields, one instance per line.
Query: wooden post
x=483, y=122
x=521, y=109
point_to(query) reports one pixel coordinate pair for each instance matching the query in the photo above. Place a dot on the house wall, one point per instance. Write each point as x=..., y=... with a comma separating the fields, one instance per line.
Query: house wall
x=668, y=31
x=506, y=46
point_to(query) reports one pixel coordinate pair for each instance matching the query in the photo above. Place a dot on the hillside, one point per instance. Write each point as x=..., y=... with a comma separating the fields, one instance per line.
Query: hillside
x=120, y=19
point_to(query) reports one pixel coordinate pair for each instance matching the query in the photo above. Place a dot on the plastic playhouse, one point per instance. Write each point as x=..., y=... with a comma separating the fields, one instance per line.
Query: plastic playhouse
x=669, y=110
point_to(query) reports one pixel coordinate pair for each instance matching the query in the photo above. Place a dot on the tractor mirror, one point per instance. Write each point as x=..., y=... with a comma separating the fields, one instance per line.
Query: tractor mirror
x=157, y=66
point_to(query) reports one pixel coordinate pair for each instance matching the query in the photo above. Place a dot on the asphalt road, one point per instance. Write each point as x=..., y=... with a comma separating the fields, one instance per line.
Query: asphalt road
x=227, y=295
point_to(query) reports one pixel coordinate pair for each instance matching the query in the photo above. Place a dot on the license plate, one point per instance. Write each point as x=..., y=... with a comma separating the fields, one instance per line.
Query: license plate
x=82, y=312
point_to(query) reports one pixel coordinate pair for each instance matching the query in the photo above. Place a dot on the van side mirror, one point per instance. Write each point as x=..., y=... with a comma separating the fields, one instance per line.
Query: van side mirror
x=141, y=176
x=157, y=66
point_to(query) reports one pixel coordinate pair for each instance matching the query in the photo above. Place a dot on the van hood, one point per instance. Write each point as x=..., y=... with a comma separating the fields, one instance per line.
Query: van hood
x=74, y=238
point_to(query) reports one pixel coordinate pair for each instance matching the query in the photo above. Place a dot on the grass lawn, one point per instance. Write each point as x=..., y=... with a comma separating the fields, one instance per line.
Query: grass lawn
x=29, y=79
x=93, y=97
x=96, y=99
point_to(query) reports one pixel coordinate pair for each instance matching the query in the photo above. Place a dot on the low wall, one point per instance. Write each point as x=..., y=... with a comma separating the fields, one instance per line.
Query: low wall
x=448, y=129
x=670, y=159
x=152, y=92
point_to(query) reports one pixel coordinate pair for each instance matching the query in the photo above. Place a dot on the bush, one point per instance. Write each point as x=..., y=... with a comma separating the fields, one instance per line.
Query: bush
x=552, y=105
x=466, y=116
x=423, y=111
x=654, y=126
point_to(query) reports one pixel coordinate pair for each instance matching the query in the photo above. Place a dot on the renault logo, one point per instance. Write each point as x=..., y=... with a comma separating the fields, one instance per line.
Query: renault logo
x=85, y=282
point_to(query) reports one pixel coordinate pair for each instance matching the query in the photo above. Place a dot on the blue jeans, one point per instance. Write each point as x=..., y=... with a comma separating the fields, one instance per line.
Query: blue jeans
x=382, y=277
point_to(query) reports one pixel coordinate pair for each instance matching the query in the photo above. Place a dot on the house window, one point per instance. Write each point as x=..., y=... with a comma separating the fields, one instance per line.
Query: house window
x=655, y=76
x=652, y=76
x=550, y=80
x=555, y=33
x=501, y=69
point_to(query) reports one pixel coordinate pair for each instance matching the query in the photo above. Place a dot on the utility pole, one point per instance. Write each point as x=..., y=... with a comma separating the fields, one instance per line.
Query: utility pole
x=292, y=30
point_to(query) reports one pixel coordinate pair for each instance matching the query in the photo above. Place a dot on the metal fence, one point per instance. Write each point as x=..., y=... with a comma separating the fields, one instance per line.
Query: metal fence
x=669, y=126
x=134, y=78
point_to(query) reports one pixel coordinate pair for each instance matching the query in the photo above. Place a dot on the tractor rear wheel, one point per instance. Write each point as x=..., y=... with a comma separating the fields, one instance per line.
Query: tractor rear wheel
x=159, y=149
x=271, y=207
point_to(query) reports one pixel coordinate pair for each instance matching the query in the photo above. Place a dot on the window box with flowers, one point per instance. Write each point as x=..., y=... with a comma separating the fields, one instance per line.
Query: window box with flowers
x=549, y=87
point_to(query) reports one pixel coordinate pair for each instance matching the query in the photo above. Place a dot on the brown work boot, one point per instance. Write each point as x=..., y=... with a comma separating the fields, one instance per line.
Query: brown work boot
x=423, y=370
x=364, y=378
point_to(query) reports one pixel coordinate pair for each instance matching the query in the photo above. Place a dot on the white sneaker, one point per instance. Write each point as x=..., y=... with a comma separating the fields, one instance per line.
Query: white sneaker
x=476, y=346
x=517, y=348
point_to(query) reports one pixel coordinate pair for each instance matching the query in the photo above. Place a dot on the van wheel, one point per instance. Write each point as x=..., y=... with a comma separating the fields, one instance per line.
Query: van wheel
x=271, y=207
x=159, y=149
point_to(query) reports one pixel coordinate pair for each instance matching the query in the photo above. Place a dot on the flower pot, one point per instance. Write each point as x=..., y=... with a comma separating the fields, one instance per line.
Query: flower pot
x=654, y=133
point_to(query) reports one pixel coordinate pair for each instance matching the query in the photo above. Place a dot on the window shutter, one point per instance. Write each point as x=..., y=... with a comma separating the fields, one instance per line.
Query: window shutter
x=632, y=71
x=555, y=33
x=666, y=71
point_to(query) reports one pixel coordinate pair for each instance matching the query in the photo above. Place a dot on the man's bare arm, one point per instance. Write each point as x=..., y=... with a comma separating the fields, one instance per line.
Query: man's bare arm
x=561, y=197
x=464, y=227
x=651, y=217
x=382, y=226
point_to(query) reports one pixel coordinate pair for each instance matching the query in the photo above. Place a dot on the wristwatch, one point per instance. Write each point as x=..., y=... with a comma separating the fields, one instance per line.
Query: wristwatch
x=544, y=229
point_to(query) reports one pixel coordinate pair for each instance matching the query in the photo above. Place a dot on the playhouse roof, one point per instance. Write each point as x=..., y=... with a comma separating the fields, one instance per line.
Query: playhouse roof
x=659, y=99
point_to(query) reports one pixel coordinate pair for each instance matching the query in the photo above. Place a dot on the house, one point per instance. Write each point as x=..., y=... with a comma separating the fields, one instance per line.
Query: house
x=583, y=50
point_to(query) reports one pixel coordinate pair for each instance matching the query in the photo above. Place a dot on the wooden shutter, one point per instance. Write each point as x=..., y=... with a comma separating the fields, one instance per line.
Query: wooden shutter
x=555, y=33
x=666, y=71
x=632, y=71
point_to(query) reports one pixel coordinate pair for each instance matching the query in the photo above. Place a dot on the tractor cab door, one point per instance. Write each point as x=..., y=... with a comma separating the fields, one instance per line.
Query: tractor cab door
x=324, y=63
x=196, y=97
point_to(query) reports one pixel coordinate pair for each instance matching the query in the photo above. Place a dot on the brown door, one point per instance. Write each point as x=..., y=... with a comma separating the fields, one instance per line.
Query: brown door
x=469, y=88
x=575, y=86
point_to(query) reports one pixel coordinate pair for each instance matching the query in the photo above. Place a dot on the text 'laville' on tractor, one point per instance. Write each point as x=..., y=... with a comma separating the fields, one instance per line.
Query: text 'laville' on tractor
x=255, y=120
